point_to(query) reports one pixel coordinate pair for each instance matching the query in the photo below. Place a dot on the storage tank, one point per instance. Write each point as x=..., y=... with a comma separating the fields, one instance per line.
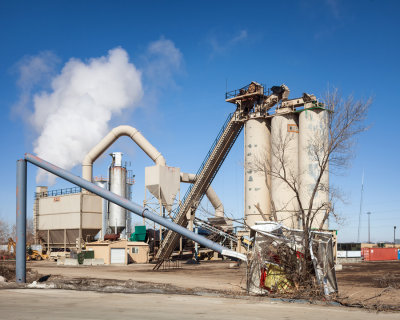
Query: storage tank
x=284, y=137
x=117, y=185
x=102, y=183
x=128, y=195
x=313, y=131
x=257, y=136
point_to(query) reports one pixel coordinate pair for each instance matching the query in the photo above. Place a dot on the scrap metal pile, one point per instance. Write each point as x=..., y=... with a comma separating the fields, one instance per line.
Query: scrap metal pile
x=278, y=261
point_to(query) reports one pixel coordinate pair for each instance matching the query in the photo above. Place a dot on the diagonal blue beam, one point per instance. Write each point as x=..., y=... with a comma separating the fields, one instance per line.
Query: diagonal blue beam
x=131, y=206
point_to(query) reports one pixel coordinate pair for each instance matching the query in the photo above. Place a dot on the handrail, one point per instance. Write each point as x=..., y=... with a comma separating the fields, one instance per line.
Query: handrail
x=57, y=192
x=236, y=92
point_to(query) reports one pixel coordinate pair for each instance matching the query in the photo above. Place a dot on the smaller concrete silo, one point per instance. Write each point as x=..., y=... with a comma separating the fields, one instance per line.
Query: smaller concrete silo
x=257, y=144
x=284, y=160
x=117, y=185
x=313, y=143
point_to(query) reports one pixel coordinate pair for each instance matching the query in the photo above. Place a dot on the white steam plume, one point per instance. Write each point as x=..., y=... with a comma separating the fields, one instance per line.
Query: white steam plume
x=74, y=116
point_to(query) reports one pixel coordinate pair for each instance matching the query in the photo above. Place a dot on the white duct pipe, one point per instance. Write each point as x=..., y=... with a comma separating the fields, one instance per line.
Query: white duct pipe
x=109, y=139
x=210, y=193
x=151, y=151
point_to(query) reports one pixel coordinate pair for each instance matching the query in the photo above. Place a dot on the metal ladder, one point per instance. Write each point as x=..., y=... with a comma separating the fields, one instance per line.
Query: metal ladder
x=205, y=175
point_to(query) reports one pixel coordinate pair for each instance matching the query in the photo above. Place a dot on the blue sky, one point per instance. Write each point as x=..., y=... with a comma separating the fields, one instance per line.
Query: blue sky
x=308, y=45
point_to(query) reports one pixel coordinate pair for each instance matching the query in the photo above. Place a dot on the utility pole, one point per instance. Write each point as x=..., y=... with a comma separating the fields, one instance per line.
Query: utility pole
x=394, y=235
x=361, y=203
x=369, y=227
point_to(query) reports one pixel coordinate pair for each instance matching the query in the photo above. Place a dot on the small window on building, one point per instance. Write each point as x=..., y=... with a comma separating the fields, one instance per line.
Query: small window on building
x=135, y=250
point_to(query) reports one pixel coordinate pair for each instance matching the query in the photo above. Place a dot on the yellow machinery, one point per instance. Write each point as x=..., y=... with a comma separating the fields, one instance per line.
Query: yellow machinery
x=11, y=243
x=30, y=254
x=34, y=254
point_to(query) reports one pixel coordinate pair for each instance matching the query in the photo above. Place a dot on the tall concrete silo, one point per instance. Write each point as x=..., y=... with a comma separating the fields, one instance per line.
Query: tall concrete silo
x=284, y=159
x=257, y=144
x=313, y=131
x=117, y=185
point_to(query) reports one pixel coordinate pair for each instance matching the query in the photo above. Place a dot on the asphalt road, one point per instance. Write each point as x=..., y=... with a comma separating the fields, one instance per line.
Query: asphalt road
x=67, y=304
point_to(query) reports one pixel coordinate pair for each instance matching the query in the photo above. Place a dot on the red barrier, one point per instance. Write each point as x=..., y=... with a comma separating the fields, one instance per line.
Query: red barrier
x=379, y=254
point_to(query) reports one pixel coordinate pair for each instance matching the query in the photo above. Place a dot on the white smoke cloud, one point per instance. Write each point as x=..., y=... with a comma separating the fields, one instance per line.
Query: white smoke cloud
x=162, y=61
x=74, y=115
x=33, y=71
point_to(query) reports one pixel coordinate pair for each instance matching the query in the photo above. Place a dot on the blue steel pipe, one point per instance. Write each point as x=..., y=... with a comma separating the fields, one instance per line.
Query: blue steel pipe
x=131, y=206
x=20, y=254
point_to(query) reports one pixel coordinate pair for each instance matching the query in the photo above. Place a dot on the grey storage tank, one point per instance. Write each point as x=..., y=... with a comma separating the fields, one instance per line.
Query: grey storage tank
x=117, y=185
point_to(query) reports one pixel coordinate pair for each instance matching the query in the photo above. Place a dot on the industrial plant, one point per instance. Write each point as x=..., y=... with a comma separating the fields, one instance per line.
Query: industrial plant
x=74, y=219
x=283, y=239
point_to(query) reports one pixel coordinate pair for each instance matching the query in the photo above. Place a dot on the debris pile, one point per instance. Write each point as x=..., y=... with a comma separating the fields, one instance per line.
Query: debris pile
x=279, y=262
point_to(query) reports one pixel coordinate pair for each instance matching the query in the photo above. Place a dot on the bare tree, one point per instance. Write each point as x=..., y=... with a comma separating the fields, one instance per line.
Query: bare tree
x=4, y=231
x=331, y=149
x=10, y=231
x=29, y=231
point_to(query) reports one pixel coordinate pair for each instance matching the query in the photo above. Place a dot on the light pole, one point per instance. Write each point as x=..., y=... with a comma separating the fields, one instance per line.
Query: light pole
x=394, y=235
x=369, y=227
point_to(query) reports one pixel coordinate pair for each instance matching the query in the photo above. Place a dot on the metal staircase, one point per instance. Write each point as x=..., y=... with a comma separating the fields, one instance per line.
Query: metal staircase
x=205, y=175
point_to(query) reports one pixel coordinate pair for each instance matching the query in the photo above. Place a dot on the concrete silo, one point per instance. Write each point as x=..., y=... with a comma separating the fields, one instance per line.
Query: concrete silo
x=284, y=160
x=313, y=144
x=257, y=136
x=117, y=185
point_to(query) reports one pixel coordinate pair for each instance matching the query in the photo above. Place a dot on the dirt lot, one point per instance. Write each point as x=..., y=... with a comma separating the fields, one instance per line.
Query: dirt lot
x=374, y=285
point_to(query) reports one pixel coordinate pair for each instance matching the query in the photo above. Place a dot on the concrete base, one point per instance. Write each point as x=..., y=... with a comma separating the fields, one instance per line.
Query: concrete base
x=71, y=262
x=87, y=262
x=93, y=262
x=97, y=262
x=349, y=260
x=338, y=267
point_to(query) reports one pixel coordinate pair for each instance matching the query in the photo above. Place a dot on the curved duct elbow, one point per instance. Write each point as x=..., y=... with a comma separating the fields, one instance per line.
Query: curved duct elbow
x=215, y=201
x=210, y=193
x=110, y=138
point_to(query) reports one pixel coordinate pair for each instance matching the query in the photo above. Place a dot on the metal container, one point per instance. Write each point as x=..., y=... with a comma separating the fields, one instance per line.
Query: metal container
x=284, y=136
x=380, y=254
x=313, y=131
x=257, y=136
x=104, y=203
x=117, y=185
